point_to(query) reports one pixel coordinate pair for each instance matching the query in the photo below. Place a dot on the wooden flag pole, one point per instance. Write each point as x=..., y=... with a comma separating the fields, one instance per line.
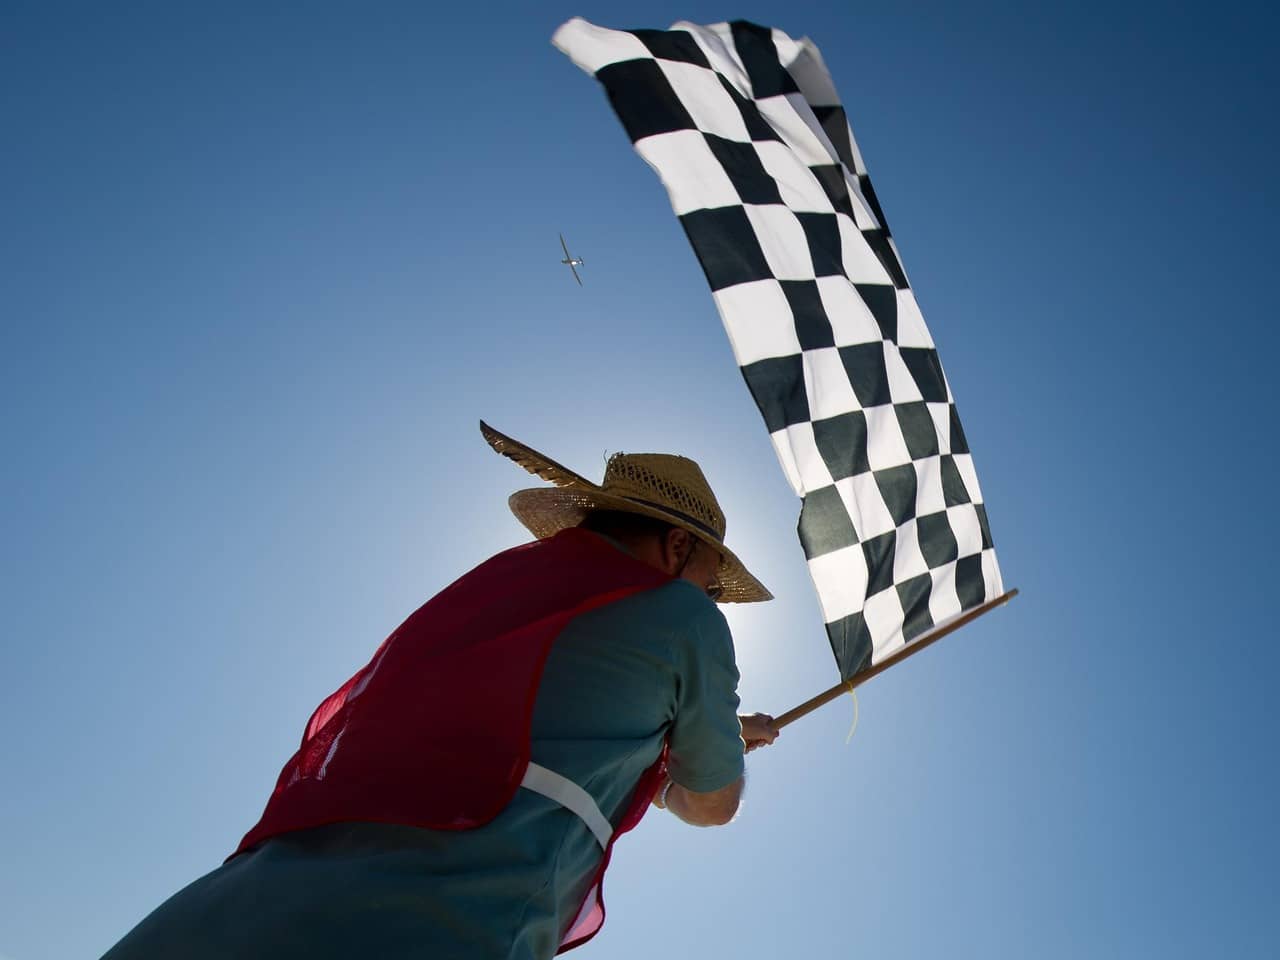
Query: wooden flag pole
x=915, y=646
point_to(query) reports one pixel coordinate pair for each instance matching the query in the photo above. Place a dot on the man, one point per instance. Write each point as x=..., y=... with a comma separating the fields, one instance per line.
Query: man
x=460, y=795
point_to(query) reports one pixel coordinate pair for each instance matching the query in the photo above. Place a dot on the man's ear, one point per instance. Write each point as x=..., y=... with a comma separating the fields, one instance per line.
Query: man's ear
x=674, y=545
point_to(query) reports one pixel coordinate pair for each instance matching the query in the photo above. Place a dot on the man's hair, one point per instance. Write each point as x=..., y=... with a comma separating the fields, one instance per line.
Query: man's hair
x=625, y=526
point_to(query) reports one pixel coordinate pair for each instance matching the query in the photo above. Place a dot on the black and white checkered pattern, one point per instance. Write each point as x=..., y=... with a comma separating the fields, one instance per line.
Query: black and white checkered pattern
x=747, y=133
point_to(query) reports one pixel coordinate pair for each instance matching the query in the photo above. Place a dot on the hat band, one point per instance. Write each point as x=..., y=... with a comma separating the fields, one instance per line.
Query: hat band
x=692, y=521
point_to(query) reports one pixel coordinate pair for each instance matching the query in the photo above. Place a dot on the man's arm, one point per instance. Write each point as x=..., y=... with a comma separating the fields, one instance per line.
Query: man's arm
x=717, y=807
x=707, y=737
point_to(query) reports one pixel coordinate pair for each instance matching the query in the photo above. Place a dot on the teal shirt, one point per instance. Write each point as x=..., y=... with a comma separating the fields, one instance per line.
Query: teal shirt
x=619, y=679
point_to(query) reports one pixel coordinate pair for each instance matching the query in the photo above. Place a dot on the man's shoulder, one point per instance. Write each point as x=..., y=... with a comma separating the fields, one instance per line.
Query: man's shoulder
x=677, y=608
x=682, y=597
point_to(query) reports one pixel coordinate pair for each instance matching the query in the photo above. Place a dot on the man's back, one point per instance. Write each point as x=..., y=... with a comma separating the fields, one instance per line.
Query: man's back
x=619, y=678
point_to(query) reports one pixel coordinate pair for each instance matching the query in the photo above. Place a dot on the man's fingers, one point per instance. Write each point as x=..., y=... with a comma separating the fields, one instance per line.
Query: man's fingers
x=758, y=731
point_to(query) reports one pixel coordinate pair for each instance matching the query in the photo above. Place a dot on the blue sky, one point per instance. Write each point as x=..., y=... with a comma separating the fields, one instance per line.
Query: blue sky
x=264, y=271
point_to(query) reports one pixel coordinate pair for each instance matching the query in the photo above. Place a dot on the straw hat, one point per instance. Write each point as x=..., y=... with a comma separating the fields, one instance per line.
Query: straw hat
x=659, y=485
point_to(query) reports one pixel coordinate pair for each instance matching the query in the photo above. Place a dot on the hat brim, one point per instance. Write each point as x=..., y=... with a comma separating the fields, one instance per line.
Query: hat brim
x=545, y=511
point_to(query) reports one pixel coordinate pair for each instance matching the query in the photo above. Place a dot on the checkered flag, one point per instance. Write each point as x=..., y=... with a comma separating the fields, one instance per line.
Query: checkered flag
x=745, y=129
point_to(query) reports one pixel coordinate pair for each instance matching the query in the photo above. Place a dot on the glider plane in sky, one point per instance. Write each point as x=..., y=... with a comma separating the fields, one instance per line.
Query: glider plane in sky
x=571, y=261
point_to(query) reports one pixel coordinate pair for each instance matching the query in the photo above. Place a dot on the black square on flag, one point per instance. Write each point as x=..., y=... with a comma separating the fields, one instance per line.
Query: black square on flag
x=918, y=429
x=878, y=241
x=981, y=509
x=831, y=178
x=898, y=488
x=869, y=195
x=937, y=539
x=747, y=174
x=954, y=491
x=757, y=126
x=726, y=246
x=824, y=523
x=864, y=362
x=851, y=643
x=958, y=442
x=677, y=45
x=926, y=371
x=759, y=55
x=777, y=384
x=835, y=123
x=813, y=329
x=969, y=585
x=882, y=300
x=878, y=552
x=823, y=233
x=913, y=594
x=842, y=441
x=643, y=99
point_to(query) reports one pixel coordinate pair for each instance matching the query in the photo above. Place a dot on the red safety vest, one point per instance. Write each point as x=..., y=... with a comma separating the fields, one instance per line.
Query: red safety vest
x=453, y=689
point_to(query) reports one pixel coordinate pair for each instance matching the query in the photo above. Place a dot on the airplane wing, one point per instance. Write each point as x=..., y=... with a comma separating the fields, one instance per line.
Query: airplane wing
x=575, y=274
x=564, y=246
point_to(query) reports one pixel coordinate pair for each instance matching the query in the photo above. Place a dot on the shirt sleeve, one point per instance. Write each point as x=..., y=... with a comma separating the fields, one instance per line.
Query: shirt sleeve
x=706, y=737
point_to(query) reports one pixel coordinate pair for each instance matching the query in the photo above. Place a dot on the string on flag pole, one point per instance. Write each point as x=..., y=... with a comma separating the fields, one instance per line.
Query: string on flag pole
x=853, y=694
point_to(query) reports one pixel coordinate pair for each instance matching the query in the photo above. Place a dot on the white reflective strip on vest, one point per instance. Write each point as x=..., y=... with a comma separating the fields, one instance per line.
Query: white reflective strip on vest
x=569, y=795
